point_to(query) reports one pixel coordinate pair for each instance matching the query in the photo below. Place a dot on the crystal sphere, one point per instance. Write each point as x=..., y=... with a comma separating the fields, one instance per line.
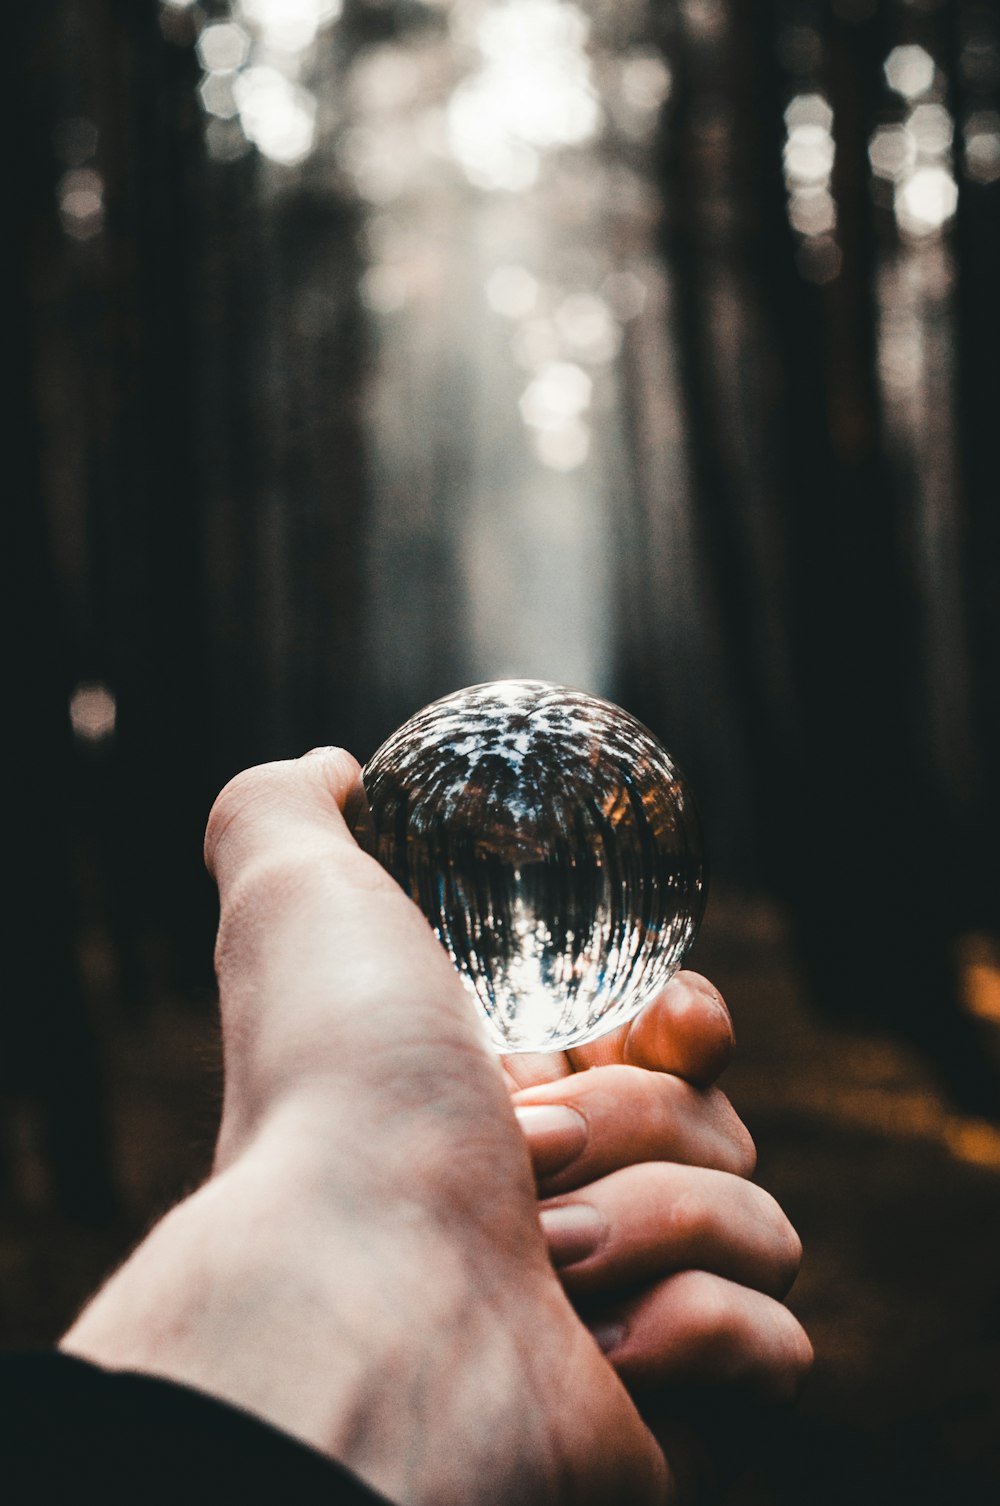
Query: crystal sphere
x=551, y=842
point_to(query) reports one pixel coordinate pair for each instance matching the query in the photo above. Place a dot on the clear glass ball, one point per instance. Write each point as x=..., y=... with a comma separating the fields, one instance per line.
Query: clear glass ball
x=555, y=849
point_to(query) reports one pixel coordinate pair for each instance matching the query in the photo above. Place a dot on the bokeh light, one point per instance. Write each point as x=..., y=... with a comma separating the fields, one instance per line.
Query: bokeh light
x=384, y=289
x=80, y=195
x=809, y=153
x=225, y=140
x=223, y=47
x=252, y=90
x=637, y=94
x=909, y=70
x=564, y=447
x=93, y=712
x=932, y=129
x=812, y=211
x=532, y=91
x=926, y=200
x=561, y=391
x=819, y=259
x=512, y=292
x=892, y=152
x=218, y=96
x=588, y=328
x=809, y=110
x=981, y=137
x=278, y=116
x=553, y=406
x=289, y=26
x=915, y=154
x=808, y=159
x=626, y=293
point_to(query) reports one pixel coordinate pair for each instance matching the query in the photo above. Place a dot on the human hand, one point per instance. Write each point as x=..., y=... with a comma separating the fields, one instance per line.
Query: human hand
x=365, y=1266
x=674, y=1259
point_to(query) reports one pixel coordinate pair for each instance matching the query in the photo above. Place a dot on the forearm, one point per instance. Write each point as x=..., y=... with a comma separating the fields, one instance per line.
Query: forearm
x=363, y=1331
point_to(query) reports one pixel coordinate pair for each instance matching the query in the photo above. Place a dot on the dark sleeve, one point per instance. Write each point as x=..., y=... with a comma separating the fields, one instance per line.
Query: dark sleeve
x=71, y=1432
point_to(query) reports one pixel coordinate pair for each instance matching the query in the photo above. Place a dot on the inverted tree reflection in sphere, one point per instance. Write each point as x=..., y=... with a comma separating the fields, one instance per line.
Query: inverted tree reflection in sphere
x=553, y=846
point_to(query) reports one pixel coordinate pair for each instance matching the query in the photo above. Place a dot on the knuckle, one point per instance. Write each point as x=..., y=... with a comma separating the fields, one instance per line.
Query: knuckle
x=802, y=1354
x=665, y=1100
x=747, y=1153
x=793, y=1360
x=272, y=881
x=710, y=1317
x=244, y=792
x=785, y=1244
x=792, y=1252
x=691, y=1220
x=696, y=1121
x=607, y=1088
x=741, y=1152
x=706, y=1302
x=744, y=1149
x=722, y=1336
x=667, y=1096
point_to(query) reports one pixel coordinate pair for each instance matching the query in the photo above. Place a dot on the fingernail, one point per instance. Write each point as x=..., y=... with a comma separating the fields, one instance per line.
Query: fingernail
x=555, y=1134
x=608, y=1335
x=316, y=752
x=573, y=1231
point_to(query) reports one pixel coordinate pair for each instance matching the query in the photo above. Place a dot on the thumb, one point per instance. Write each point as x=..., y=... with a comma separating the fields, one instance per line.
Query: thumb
x=270, y=809
x=325, y=966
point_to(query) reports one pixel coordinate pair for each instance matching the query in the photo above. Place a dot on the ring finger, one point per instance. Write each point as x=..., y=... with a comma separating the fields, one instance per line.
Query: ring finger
x=645, y=1222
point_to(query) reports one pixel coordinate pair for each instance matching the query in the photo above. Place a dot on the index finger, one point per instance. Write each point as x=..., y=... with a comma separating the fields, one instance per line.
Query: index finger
x=686, y=1030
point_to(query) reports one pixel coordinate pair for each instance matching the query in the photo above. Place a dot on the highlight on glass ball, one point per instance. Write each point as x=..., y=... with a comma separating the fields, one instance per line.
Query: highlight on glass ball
x=553, y=845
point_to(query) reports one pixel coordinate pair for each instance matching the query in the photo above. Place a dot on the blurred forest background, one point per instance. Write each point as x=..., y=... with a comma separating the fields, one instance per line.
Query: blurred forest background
x=364, y=350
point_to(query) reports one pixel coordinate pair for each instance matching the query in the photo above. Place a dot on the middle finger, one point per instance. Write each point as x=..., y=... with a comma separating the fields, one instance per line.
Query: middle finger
x=584, y=1126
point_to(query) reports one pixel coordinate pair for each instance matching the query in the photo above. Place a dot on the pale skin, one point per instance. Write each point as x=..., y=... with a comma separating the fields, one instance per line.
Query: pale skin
x=402, y=1242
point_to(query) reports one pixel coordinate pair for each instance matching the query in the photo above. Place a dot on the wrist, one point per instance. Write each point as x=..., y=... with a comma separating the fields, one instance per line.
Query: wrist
x=370, y=1332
